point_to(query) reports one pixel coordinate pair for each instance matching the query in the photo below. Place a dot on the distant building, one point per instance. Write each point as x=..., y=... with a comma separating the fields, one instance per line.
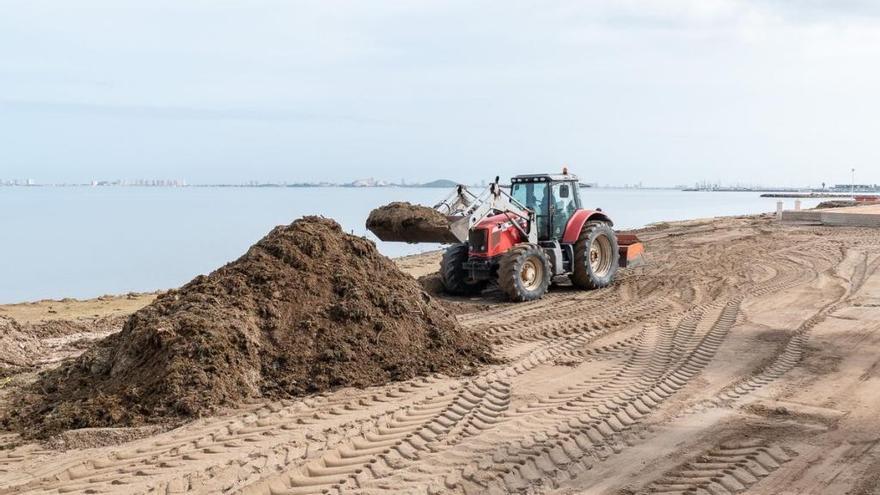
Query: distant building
x=857, y=187
x=369, y=182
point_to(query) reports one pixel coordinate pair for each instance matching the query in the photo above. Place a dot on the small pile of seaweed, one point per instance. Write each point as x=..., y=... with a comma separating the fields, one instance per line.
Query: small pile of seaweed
x=18, y=348
x=837, y=203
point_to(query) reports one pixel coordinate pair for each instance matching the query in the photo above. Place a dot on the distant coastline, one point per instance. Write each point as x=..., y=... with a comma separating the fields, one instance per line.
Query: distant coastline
x=439, y=183
x=772, y=192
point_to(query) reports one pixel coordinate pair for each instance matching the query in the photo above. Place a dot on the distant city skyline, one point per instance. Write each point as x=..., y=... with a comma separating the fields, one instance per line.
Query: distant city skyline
x=410, y=181
x=446, y=182
x=666, y=92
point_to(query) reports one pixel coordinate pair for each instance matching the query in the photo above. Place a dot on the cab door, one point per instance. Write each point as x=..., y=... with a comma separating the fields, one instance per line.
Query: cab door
x=565, y=200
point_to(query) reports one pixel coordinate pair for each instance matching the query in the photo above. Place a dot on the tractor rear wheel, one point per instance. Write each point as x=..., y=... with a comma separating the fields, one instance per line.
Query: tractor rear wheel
x=524, y=272
x=456, y=280
x=596, y=256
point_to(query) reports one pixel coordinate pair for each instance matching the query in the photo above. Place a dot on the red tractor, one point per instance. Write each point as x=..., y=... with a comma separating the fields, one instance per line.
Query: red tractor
x=525, y=237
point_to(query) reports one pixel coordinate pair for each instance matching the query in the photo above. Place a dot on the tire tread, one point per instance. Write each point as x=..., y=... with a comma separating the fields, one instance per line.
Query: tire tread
x=453, y=277
x=508, y=276
x=581, y=276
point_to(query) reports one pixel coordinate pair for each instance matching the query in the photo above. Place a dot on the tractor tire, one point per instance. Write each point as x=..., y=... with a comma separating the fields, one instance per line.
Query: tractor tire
x=524, y=272
x=454, y=277
x=596, y=256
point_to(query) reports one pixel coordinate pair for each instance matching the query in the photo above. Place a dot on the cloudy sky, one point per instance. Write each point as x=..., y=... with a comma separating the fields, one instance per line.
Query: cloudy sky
x=664, y=91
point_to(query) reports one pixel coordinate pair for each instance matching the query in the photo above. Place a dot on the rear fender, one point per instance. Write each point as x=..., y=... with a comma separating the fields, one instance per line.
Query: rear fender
x=577, y=221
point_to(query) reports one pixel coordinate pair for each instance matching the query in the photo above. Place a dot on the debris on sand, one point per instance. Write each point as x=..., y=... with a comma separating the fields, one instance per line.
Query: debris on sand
x=308, y=308
x=837, y=203
x=17, y=347
x=63, y=327
x=432, y=284
x=406, y=222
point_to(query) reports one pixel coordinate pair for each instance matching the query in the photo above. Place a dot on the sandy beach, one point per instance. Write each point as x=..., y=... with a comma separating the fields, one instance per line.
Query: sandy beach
x=742, y=357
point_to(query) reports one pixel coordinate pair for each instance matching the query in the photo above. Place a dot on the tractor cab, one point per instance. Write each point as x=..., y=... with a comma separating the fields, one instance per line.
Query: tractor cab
x=553, y=197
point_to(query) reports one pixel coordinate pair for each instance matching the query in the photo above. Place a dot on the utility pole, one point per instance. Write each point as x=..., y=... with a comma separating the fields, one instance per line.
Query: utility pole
x=852, y=187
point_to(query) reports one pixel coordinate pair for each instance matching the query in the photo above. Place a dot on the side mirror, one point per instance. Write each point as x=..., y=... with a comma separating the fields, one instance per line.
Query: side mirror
x=563, y=191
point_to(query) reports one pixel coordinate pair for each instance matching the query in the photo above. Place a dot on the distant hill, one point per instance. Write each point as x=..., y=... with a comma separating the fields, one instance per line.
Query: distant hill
x=445, y=183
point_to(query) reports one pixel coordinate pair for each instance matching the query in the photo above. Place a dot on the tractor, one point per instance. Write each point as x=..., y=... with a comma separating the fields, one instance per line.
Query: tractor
x=527, y=236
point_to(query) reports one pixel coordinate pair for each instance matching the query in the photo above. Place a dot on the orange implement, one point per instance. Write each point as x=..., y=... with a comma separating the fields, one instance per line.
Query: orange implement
x=631, y=249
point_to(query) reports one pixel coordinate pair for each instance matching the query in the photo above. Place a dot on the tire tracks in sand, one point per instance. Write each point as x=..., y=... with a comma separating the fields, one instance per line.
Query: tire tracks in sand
x=644, y=341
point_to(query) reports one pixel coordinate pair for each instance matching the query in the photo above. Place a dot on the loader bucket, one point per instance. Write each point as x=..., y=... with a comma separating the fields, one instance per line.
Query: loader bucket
x=405, y=222
x=631, y=249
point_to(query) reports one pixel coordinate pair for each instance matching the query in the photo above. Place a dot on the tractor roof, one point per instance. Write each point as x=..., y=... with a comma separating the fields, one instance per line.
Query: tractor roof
x=543, y=178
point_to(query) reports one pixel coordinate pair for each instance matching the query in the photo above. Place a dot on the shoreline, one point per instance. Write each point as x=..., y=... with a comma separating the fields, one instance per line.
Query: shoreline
x=404, y=261
x=115, y=256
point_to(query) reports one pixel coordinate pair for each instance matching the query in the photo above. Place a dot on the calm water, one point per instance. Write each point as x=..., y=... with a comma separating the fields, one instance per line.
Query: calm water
x=84, y=242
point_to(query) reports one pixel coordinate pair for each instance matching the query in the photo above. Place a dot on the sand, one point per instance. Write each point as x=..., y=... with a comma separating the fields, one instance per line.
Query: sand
x=72, y=310
x=744, y=356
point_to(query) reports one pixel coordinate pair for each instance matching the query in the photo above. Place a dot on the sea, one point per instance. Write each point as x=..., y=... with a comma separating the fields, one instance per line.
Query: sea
x=84, y=242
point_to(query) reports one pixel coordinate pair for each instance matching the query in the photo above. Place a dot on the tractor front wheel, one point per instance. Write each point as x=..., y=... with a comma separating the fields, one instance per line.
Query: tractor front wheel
x=596, y=256
x=456, y=280
x=524, y=273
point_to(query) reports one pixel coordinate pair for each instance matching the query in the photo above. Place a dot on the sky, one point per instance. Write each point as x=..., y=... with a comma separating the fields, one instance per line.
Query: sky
x=662, y=92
